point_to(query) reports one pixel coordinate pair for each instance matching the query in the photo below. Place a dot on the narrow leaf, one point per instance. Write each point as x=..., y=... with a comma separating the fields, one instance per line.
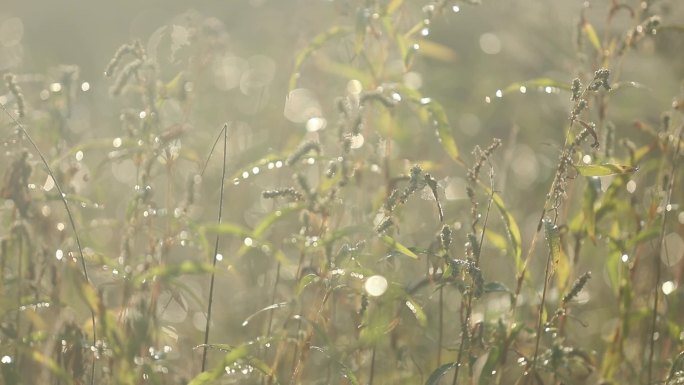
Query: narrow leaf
x=439, y=373
x=604, y=169
x=316, y=43
x=590, y=32
x=398, y=246
x=536, y=84
x=512, y=228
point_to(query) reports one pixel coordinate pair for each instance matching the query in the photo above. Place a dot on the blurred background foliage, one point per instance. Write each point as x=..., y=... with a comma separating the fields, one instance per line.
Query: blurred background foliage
x=129, y=151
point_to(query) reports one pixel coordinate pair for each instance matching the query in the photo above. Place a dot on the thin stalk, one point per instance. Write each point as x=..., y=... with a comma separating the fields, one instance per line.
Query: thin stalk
x=372, y=368
x=541, y=311
x=72, y=223
x=656, y=259
x=441, y=326
x=216, y=245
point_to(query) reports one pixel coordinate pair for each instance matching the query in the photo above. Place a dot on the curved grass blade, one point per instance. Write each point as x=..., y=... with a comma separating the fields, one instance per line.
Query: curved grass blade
x=439, y=373
x=267, y=308
x=345, y=370
x=275, y=216
x=317, y=42
x=391, y=242
x=604, y=169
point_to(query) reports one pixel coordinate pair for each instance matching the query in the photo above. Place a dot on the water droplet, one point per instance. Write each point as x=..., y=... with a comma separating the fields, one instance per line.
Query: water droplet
x=117, y=142
x=59, y=254
x=6, y=359
x=142, y=114
x=279, y=164
x=624, y=258
x=499, y=93
x=357, y=141
x=415, y=46
x=310, y=161
x=314, y=124
x=79, y=156
x=245, y=175
x=255, y=170
x=668, y=287
x=49, y=184
x=354, y=87
x=236, y=181
x=85, y=86
x=425, y=101
x=219, y=257
x=586, y=159
x=425, y=31
x=523, y=89
x=456, y=9
x=248, y=241
x=396, y=97
x=376, y=285
x=60, y=226
x=631, y=186
x=488, y=99
x=55, y=87
x=490, y=43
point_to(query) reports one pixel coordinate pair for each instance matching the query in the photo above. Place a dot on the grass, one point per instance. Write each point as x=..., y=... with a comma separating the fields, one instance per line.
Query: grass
x=369, y=246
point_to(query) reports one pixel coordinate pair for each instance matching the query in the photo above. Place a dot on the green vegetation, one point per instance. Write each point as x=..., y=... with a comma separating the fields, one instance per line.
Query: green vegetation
x=424, y=192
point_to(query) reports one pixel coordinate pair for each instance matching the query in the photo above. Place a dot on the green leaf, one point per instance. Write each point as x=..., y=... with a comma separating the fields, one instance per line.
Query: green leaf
x=512, y=228
x=443, y=129
x=590, y=32
x=604, y=169
x=306, y=281
x=538, y=83
x=163, y=272
x=275, y=216
x=553, y=239
x=437, y=114
x=391, y=242
x=417, y=311
x=267, y=308
x=588, y=206
x=439, y=373
x=227, y=228
x=316, y=43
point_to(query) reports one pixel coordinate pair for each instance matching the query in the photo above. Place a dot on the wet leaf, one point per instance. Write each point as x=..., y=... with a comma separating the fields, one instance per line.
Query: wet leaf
x=417, y=311
x=171, y=271
x=538, y=83
x=439, y=373
x=512, y=228
x=267, y=308
x=275, y=216
x=604, y=169
x=306, y=281
x=391, y=242
x=316, y=43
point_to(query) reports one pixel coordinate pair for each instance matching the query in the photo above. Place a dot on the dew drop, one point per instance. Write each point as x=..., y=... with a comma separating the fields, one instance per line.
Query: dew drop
x=6, y=359
x=668, y=287
x=455, y=9
x=631, y=186
x=85, y=86
x=79, y=155
x=586, y=159
x=55, y=87
x=245, y=175
x=523, y=89
x=499, y=93
x=488, y=99
x=255, y=170
x=59, y=254
x=219, y=257
x=248, y=241
x=142, y=114
x=117, y=142
x=376, y=285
